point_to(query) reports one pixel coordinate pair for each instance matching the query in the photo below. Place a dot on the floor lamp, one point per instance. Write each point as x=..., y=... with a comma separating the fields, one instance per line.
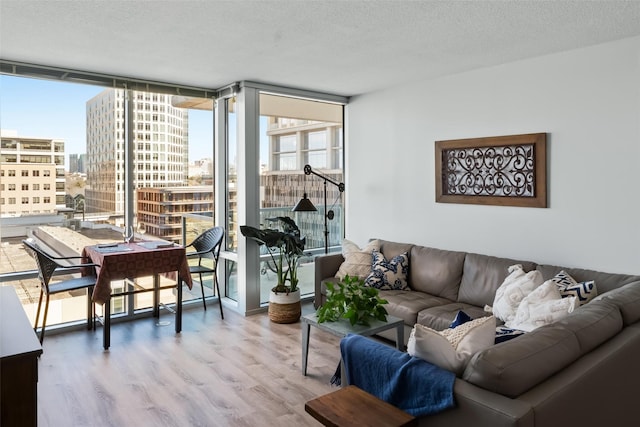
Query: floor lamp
x=305, y=205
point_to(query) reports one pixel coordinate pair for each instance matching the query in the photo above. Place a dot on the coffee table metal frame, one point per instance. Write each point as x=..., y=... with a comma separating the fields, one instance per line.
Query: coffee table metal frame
x=342, y=328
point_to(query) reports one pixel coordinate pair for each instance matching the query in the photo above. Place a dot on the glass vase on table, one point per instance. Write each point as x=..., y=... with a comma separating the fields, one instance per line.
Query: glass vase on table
x=141, y=230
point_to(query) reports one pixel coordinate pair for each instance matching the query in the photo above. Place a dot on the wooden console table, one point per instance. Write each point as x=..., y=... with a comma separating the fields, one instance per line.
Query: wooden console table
x=353, y=407
x=19, y=351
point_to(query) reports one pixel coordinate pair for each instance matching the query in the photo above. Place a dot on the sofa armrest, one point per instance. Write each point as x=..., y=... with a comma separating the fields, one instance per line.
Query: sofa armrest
x=326, y=267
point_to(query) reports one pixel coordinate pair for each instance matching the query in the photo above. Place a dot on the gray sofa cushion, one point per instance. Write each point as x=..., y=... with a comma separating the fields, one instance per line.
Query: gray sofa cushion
x=604, y=281
x=407, y=304
x=627, y=299
x=440, y=317
x=436, y=271
x=513, y=367
x=593, y=324
x=482, y=276
x=391, y=249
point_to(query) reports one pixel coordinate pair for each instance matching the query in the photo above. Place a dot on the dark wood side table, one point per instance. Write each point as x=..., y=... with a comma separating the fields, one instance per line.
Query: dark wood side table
x=19, y=351
x=351, y=406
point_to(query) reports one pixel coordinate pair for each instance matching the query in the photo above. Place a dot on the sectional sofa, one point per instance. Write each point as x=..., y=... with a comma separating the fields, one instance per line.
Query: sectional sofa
x=581, y=370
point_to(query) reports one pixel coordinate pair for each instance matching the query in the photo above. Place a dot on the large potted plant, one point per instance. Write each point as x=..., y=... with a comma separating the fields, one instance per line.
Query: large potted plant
x=285, y=247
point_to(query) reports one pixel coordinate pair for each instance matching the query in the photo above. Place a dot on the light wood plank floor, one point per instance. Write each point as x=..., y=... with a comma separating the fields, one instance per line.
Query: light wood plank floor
x=240, y=371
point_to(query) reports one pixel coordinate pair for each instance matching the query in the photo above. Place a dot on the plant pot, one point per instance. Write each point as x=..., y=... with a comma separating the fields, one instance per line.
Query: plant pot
x=285, y=307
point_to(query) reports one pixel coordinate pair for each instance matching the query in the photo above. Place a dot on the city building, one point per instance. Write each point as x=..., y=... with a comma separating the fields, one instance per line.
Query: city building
x=32, y=176
x=201, y=168
x=77, y=163
x=160, y=146
x=294, y=143
x=160, y=210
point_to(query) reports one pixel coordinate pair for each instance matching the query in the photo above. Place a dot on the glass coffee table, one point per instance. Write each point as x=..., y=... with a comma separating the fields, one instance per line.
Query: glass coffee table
x=342, y=328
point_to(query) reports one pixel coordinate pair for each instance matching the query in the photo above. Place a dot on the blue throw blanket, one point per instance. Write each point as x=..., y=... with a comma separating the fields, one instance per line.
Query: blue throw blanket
x=409, y=383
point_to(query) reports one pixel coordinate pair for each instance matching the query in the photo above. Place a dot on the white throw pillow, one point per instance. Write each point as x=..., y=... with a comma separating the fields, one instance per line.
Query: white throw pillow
x=515, y=287
x=357, y=262
x=452, y=348
x=542, y=306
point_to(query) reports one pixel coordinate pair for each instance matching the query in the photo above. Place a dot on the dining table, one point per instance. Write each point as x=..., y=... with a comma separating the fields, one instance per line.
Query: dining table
x=130, y=260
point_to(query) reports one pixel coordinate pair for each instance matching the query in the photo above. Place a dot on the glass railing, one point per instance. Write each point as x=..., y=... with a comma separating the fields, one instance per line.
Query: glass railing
x=68, y=237
x=311, y=225
x=269, y=279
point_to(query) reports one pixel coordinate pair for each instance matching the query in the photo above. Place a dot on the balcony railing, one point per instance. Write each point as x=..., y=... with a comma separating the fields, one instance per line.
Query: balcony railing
x=19, y=269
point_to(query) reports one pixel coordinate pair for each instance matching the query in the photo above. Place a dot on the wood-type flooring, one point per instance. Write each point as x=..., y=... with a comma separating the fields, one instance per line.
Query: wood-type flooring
x=240, y=371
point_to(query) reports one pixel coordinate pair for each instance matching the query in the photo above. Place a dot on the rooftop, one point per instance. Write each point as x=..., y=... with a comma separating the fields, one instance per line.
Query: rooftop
x=13, y=257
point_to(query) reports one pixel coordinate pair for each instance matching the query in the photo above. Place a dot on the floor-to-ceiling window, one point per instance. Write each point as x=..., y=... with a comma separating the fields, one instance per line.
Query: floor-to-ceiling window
x=295, y=132
x=270, y=134
x=82, y=162
x=67, y=145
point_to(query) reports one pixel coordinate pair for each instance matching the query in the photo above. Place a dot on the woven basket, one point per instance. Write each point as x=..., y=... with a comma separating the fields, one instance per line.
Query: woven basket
x=284, y=313
x=285, y=308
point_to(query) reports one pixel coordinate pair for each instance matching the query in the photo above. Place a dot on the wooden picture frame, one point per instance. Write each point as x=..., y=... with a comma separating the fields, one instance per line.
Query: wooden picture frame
x=501, y=170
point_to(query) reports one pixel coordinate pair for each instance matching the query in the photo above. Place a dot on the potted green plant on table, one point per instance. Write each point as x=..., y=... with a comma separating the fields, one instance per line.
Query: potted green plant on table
x=351, y=299
x=285, y=247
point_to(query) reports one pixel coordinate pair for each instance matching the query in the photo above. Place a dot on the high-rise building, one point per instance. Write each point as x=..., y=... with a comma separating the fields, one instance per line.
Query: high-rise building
x=294, y=143
x=76, y=163
x=31, y=175
x=160, y=146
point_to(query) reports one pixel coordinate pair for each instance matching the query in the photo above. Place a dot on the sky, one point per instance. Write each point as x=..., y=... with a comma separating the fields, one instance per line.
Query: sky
x=57, y=110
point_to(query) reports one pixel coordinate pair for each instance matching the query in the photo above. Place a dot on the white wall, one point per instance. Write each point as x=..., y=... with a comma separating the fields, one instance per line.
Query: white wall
x=588, y=102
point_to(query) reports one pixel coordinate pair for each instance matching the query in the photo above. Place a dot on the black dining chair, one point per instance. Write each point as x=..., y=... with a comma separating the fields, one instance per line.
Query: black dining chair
x=207, y=246
x=47, y=266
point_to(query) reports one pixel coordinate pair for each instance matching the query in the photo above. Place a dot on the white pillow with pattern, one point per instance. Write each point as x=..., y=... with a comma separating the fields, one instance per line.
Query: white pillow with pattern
x=515, y=287
x=452, y=348
x=389, y=274
x=357, y=261
x=541, y=307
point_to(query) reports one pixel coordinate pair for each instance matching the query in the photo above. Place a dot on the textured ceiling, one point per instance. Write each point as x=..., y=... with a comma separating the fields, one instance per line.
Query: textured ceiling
x=340, y=47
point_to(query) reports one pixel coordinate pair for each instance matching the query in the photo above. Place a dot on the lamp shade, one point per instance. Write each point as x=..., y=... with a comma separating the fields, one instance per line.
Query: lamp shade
x=304, y=205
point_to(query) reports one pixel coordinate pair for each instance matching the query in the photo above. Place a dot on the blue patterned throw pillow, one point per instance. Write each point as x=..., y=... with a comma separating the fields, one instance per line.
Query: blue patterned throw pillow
x=505, y=334
x=568, y=287
x=388, y=275
x=461, y=318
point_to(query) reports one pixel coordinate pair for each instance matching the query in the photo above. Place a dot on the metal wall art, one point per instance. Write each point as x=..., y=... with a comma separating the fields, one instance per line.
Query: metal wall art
x=501, y=170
